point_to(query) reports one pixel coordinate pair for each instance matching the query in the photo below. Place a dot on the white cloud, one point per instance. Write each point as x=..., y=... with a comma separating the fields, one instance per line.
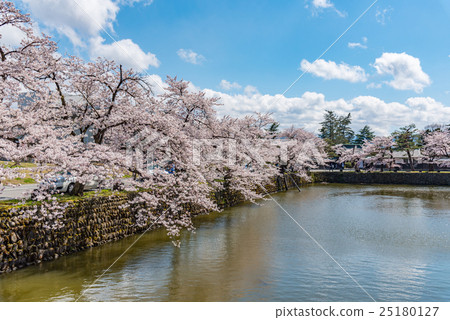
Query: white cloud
x=353, y=45
x=322, y=4
x=226, y=85
x=132, y=2
x=383, y=15
x=383, y=116
x=307, y=111
x=75, y=19
x=159, y=86
x=11, y=36
x=251, y=91
x=428, y=108
x=157, y=83
x=330, y=70
x=190, y=56
x=373, y=85
x=405, y=69
x=326, y=4
x=124, y=52
x=82, y=21
x=362, y=45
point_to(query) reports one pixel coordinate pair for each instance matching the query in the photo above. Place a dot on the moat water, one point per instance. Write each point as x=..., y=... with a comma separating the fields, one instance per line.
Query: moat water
x=393, y=240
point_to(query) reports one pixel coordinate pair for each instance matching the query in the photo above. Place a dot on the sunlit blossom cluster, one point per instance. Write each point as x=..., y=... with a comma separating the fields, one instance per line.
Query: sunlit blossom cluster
x=98, y=120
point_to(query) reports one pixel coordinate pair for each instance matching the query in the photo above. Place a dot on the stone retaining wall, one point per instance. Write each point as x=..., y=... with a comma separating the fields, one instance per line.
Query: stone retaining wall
x=411, y=178
x=86, y=223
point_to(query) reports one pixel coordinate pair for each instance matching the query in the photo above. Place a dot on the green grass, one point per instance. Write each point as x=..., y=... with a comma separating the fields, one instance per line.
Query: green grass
x=10, y=164
x=16, y=203
x=17, y=181
x=10, y=204
x=25, y=180
x=89, y=194
x=24, y=168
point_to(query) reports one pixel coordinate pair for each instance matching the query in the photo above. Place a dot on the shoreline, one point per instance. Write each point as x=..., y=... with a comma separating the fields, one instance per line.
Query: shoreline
x=92, y=222
x=87, y=223
x=387, y=177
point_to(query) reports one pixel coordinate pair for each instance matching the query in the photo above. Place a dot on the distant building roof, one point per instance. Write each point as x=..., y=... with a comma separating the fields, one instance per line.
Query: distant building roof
x=352, y=146
x=403, y=154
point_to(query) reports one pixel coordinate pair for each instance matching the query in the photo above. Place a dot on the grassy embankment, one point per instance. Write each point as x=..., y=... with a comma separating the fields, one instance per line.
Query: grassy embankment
x=24, y=168
x=16, y=203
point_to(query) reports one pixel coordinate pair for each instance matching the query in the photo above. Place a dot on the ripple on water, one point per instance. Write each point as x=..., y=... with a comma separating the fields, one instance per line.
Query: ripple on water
x=393, y=240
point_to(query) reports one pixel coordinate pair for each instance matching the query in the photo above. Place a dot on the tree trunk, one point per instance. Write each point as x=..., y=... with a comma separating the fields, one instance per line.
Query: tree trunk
x=78, y=189
x=295, y=183
x=283, y=174
x=410, y=159
x=279, y=184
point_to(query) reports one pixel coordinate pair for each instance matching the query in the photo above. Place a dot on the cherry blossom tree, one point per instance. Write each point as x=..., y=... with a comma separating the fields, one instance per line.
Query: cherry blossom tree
x=437, y=147
x=104, y=106
x=99, y=120
x=249, y=155
x=24, y=92
x=379, y=151
x=304, y=151
x=352, y=155
x=170, y=181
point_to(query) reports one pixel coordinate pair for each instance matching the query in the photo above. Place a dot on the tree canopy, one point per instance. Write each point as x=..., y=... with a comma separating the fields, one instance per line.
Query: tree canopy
x=99, y=120
x=336, y=129
x=407, y=139
x=364, y=134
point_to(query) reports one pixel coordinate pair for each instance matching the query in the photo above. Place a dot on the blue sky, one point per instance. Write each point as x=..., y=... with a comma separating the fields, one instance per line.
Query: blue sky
x=390, y=69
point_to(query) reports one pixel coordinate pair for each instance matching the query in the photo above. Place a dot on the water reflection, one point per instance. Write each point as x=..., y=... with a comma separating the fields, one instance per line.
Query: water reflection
x=393, y=239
